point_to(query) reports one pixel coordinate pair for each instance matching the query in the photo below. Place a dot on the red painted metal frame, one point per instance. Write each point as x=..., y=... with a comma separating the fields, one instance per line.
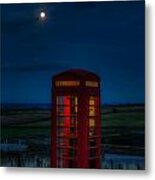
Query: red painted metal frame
x=83, y=93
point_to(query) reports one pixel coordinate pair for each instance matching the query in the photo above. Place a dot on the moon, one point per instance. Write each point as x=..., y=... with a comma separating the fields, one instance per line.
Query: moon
x=42, y=15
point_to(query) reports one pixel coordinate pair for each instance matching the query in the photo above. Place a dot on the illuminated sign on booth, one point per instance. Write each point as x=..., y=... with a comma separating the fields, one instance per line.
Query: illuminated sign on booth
x=91, y=84
x=67, y=83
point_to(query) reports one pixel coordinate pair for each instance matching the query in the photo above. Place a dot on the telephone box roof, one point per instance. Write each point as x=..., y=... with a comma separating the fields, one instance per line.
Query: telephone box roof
x=79, y=74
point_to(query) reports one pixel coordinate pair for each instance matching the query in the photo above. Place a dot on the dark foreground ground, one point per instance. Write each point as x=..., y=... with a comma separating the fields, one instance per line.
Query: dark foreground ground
x=25, y=137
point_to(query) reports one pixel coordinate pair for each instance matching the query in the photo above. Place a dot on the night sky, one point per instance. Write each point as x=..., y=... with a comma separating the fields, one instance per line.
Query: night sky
x=103, y=37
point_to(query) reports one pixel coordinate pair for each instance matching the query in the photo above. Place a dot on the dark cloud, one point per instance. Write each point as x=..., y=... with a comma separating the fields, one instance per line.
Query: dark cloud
x=17, y=26
x=37, y=67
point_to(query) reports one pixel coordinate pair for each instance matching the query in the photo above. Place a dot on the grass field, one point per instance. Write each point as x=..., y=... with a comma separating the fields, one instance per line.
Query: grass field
x=122, y=126
x=123, y=132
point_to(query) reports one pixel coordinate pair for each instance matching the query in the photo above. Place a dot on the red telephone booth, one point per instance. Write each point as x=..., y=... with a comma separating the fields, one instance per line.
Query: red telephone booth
x=76, y=120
